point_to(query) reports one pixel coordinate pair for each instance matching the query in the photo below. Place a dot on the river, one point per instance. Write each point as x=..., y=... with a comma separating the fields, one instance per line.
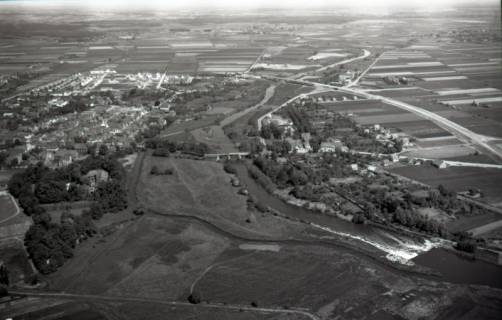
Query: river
x=398, y=248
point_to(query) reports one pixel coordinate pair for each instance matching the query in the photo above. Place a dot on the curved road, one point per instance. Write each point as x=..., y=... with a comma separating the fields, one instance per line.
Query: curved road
x=450, y=126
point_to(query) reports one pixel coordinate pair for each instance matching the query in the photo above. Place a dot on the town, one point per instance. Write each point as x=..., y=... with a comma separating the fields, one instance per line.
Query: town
x=249, y=163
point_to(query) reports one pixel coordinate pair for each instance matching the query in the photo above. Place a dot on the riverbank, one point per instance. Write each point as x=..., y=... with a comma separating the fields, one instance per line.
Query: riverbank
x=366, y=238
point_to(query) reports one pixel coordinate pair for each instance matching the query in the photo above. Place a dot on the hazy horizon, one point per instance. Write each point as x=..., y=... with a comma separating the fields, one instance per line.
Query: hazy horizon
x=253, y=4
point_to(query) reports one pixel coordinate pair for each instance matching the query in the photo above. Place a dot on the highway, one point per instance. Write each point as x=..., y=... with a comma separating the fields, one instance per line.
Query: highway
x=448, y=125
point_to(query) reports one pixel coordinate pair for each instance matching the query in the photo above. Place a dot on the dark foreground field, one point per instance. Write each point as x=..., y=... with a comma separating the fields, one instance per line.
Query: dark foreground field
x=148, y=267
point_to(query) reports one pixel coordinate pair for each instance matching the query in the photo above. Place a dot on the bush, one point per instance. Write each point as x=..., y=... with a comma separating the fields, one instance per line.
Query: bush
x=358, y=218
x=194, y=298
x=229, y=168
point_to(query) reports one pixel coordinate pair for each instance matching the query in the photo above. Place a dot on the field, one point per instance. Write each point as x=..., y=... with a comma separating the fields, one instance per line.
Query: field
x=8, y=208
x=179, y=127
x=13, y=255
x=155, y=250
x=203, y=189
x=58, y=309
x=469, y=222
x=459, y=151
x=215, y=139
x=459, y=179
x=286, y=91
x=228, y=60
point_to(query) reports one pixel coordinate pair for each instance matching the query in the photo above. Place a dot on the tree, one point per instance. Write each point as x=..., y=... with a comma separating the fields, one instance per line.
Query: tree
x=103, y=150
x=4, y=275
x=111, y=196
x=358, y=218
x=194, y=297
x=51, y=191
x=155, y=170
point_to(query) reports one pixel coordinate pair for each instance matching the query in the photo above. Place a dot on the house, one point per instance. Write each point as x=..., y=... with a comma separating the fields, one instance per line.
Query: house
x=354, y=167
x=297, y=146
x=95, y=177
x=81, y=148
x=438, y=163
x=16, y=155
x=394, y=157
x=64, y=157
x=59, y=103
x=346, y=77
x=327, y=147
x=306, y=141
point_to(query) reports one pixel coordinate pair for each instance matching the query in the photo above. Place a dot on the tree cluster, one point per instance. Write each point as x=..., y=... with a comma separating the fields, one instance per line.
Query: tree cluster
x=156, y=171
x=191, y=148
x=50, y=244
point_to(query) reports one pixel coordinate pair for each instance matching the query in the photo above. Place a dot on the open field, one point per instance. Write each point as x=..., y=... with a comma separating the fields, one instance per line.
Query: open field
x=203, y=189
x=459, y=179
x=102, y=309
x=13, y=255
x=215, y=139
x=150, y=258
x=469, y=222
x=179, y=127
x=442, y=152
x=8, y=208
x=286, y=91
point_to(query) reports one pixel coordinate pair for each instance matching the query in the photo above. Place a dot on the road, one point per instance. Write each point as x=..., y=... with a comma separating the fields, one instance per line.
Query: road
x=232, y=307
x=356, y=81
x=448, y=125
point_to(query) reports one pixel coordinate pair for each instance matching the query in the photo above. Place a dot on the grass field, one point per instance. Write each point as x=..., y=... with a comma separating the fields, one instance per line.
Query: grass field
x=458, y=151
x=469, y=222
x=15, y=258
x=153, y=257
x=459, y=179
x=215, y=138
x=203, y=189
x=192, y=124
x=7, y=207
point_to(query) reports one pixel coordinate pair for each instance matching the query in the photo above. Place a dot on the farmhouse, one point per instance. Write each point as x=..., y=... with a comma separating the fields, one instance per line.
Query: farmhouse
x=441, y=164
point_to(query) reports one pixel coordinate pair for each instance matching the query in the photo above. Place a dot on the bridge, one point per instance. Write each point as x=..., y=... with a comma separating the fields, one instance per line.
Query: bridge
x=226, y=156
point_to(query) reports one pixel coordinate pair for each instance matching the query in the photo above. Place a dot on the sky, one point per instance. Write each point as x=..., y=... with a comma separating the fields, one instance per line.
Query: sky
x=262, y=3
x=350, y=5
